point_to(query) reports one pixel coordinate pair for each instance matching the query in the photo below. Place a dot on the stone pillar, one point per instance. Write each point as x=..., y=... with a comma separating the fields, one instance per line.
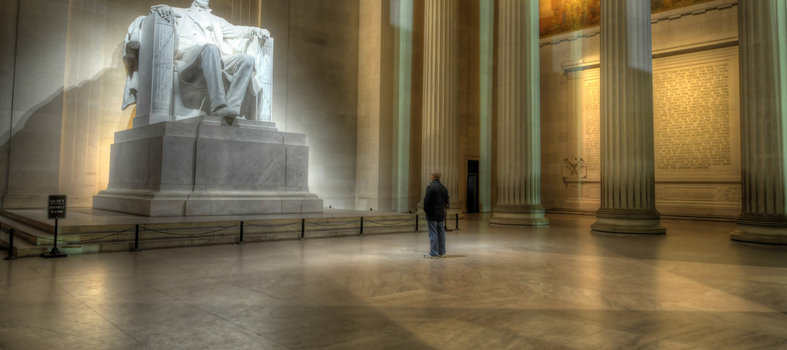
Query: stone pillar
x=762, y=28
x=375, y=107
x=628, y=203
x=439, y=134
x=518, y=119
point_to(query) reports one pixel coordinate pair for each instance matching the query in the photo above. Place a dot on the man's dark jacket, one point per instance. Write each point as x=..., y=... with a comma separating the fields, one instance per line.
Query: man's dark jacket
x=435, y=201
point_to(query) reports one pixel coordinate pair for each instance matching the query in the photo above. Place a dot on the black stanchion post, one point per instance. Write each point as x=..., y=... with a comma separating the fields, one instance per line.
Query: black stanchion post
x=303, y=228
x=11, y=254
x=241, y=234
x=136, y=238
x=457, y=221
x=54, y=253
x=416, y=222
x=361, y=225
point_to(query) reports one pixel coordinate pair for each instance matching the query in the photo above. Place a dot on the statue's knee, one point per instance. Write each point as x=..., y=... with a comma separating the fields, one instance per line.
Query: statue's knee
x=211, y=49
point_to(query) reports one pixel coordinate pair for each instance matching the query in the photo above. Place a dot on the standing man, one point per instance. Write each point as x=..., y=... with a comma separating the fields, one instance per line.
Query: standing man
x=435, y=205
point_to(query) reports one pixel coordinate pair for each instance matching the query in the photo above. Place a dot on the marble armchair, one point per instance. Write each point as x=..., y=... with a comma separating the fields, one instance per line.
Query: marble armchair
x=152, y=75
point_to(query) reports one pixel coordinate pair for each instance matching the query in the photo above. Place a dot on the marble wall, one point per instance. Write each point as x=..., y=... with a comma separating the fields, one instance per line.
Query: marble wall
x=696, y=114
x=321, y=97
x=38, y=104
x=69, y=81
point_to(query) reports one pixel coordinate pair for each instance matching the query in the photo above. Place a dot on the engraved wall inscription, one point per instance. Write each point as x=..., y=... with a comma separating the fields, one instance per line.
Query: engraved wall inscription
x=691, y=106
x=591, y=125
x=692, y=117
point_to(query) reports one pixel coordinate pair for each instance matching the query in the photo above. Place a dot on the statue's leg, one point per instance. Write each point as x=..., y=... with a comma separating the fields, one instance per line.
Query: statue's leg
x=263, y=92
x=240, y=68
x=258, y=77
x=210, y=63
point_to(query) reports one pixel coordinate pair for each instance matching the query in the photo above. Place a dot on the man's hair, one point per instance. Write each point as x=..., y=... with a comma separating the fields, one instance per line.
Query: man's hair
x=436, y=174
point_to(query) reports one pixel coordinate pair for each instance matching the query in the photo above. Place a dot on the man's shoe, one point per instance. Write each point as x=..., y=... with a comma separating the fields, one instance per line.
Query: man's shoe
x=442, y=255
x=427, y=256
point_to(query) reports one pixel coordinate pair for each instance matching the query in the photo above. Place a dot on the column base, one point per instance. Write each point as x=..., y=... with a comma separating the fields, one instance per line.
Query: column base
x=524, y=215
x=627, y=221
x=767, y=230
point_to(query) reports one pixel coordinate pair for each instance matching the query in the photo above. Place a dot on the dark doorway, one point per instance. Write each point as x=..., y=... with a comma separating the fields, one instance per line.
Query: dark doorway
x=472, y=186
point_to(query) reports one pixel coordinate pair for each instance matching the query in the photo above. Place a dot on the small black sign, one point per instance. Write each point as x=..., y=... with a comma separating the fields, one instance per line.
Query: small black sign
x=57, y=207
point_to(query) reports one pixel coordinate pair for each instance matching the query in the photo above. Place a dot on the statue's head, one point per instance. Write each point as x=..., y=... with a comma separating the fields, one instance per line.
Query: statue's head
x=202, y=3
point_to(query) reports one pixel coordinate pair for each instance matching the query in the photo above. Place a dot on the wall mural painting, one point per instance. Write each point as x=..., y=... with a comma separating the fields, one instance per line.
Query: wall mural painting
x=561, y=16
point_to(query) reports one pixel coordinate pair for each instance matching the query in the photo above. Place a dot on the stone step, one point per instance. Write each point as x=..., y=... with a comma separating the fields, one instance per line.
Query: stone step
x=22, y=247
x=31, y=234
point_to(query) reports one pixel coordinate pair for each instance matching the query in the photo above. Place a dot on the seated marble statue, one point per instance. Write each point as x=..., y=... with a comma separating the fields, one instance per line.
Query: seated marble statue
x=218, y=67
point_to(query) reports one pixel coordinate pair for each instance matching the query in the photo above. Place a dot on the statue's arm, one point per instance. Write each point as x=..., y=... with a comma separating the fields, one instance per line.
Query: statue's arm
x=165, y=11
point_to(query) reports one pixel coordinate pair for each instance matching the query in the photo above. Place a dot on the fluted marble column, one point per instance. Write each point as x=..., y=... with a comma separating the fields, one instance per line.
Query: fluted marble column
x=518, y=120
x=762, y=32
x=628, y=203
x=439, y=134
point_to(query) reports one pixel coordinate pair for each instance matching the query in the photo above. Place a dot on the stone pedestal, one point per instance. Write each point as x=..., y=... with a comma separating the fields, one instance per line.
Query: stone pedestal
x=518, y=122
x=762, y=27
x=207, y=166
x=628, y=202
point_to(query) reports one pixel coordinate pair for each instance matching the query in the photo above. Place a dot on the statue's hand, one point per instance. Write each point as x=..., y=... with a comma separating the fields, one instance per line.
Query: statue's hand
x=260, y=33
x=165, y=11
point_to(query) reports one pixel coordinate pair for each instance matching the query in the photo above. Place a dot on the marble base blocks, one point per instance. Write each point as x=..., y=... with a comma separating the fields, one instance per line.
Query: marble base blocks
x=208, y=166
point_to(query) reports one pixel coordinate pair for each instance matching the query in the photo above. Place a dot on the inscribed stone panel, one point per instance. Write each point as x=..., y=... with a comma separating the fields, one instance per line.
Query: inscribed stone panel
x=591, y=122
x=695, y=102
x=691, y=106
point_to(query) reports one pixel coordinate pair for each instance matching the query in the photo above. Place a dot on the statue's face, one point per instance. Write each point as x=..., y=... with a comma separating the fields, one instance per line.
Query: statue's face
x=202, y=3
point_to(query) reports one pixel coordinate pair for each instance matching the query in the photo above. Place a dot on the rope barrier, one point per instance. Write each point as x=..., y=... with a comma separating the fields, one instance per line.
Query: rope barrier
x=60, y=240
x=298, y=221
x=390, y=222
x=115, y=233
x=188, y=234
x=94, y=239
x=333, y=223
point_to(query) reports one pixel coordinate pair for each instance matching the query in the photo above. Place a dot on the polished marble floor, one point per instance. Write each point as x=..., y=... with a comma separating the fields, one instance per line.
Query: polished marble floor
x=559, y=287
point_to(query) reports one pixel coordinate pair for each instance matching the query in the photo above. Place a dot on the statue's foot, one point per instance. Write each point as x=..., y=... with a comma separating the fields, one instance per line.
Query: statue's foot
x=232, y=119
x=225, y=112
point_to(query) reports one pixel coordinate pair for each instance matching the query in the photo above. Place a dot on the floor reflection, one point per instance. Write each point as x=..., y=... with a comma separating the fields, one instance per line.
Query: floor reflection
x=559, y=287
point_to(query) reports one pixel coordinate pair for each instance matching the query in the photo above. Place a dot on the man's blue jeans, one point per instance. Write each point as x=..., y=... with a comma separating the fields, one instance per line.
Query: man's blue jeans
x=436, y=237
